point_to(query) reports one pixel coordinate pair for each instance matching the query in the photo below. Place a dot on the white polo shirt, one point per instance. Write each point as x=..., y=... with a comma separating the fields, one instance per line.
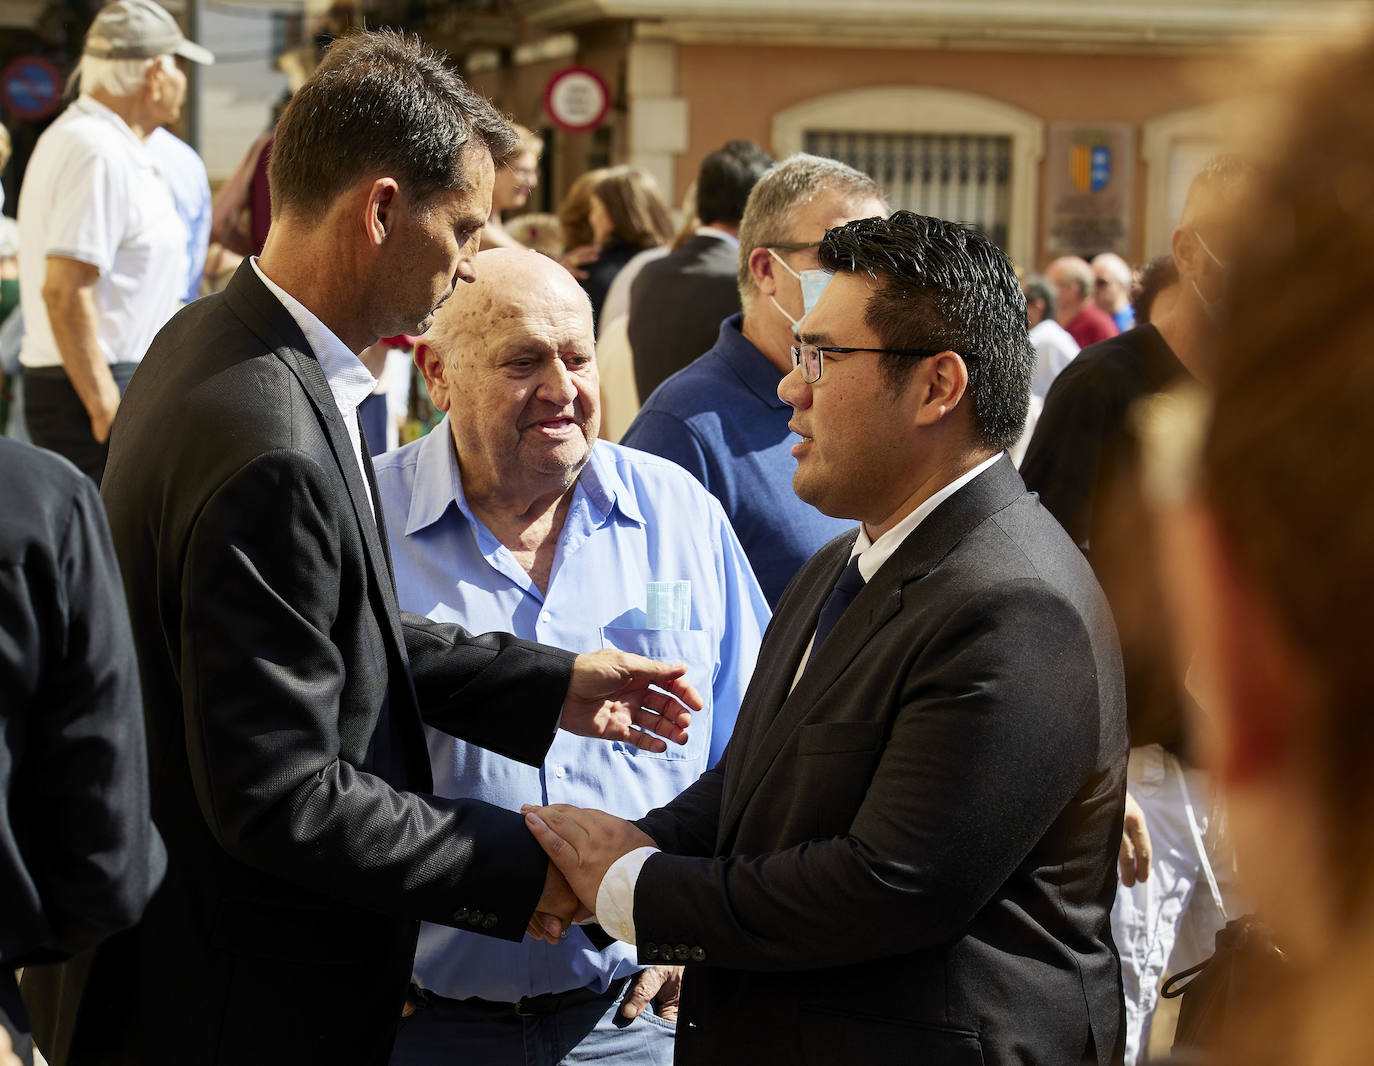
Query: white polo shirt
x=93, y=192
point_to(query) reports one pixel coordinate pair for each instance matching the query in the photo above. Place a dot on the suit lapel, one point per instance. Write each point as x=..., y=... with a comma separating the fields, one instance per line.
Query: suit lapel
x=263, y=313
x=879, y=602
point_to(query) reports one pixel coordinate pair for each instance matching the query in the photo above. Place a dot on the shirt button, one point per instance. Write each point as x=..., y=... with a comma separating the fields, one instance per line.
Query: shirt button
x=560, y=771
x=546, y=617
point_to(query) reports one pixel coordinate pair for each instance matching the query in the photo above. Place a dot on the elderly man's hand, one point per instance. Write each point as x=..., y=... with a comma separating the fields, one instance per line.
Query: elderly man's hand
x=660, y=984
x=610, y=697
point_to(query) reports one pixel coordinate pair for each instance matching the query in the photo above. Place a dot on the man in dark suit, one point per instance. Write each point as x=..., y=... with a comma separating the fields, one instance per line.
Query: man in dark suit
x=908, y=850
x=79, y=856
x=677, y=302
x=284, y=690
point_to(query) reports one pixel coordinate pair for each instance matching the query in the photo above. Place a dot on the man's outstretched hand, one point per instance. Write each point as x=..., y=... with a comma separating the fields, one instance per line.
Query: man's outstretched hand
x=610, y=698
x=583, y=843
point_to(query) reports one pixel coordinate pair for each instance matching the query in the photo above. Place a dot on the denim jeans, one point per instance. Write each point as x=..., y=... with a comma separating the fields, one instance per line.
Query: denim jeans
x=472, y=1033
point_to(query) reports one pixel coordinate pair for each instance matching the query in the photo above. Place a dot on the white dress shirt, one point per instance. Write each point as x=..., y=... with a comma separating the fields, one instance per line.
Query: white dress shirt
x=349, y=381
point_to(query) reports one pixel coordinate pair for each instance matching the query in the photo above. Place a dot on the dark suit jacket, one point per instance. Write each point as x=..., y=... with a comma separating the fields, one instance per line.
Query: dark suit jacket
x=677, y=305
x=911, y=857
x=286, y=750
x=79, y=857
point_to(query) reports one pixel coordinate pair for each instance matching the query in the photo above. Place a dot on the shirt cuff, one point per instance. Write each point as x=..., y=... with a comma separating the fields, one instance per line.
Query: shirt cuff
x=615, y=899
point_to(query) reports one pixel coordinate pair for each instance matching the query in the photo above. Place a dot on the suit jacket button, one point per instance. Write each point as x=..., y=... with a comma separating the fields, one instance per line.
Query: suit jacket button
x=475, y=917
x=460, y=915
x=698, y=954
x=683, y=953
x=489, y=922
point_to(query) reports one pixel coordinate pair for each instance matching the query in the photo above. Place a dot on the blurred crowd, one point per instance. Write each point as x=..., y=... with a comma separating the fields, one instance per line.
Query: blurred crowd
x=1128, y=719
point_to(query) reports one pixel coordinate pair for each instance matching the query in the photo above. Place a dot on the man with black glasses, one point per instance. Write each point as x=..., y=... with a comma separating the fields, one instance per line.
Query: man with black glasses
x=909, y=847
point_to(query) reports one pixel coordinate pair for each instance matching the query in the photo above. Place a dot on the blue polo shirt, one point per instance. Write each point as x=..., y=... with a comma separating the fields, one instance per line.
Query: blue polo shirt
x=720, y=419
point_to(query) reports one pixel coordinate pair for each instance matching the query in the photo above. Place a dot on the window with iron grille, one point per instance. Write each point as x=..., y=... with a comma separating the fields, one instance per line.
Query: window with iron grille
x=956, y=176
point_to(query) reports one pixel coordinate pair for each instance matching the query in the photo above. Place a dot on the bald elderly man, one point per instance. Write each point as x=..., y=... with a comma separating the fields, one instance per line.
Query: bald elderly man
x=512, y=515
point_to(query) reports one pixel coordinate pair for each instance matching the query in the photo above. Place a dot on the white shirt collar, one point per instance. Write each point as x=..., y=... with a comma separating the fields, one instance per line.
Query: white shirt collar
x=873, y=553
x=712, y=231
x=89, y=105
x=349, y=381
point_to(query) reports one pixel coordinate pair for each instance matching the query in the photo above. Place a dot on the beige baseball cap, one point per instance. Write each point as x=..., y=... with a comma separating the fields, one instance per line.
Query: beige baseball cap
x=140, y=29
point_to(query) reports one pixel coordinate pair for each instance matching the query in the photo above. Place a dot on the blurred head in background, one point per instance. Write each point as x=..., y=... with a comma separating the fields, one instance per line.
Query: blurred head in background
x=625, y=207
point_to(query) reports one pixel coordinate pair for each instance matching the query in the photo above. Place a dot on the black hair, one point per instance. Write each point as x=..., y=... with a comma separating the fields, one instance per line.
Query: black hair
x=944, y=286
x=725, y=178
x=380, y=102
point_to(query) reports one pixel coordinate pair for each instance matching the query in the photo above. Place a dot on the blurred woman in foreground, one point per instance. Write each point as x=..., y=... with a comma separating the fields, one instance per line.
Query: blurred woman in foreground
x=1268, y=538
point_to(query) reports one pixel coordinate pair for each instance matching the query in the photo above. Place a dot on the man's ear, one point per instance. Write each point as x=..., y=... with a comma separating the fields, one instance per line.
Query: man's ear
x=1184, y=248
x=381, y=207
x=761, y=269
x=435, y=373
x=938, y=384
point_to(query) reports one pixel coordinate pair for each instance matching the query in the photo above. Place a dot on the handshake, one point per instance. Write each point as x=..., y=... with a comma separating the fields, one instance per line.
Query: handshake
x=582, y=845
x=610, y=697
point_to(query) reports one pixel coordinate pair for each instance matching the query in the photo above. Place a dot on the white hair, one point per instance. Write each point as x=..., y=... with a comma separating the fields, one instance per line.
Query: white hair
x=118, y=77
x=784, y=188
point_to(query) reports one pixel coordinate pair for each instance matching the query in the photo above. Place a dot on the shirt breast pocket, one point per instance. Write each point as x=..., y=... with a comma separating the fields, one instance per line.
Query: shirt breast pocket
x=692, y=646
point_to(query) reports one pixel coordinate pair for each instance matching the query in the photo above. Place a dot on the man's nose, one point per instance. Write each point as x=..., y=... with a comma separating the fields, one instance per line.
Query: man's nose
x=793, y=389
x=557, y=384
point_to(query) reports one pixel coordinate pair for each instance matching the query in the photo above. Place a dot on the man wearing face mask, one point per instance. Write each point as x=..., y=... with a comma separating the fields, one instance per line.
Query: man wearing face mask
x=1083, y=461
x=720, y=417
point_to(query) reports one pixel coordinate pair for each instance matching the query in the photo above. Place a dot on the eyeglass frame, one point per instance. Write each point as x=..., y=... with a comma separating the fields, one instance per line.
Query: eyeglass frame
x=791, y=246
x=918, y=353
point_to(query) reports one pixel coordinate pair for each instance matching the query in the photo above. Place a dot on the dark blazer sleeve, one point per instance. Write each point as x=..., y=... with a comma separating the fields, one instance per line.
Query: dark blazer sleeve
x=1064, y=458
x=955, y=801
x=90, y=857
x=496, y=691
x=688, y=825
x=262, y=680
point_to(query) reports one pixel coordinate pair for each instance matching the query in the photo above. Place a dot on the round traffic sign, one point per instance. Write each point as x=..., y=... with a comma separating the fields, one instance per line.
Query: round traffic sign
x=31, y=87
x=577, y=99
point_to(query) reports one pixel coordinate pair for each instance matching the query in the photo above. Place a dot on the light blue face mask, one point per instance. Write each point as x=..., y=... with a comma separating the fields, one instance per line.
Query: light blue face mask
x=813, y=283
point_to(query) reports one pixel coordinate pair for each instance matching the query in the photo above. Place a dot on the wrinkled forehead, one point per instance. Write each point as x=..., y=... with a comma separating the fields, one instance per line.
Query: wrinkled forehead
x=505, y=308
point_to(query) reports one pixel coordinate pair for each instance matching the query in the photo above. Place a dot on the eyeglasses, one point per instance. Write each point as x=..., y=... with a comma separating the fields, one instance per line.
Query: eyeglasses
x=791, y=246
x=810, y=359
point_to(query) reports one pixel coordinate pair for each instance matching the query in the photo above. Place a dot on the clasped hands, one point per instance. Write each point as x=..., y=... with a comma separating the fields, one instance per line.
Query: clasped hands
x=582, y=845
x=613, y=695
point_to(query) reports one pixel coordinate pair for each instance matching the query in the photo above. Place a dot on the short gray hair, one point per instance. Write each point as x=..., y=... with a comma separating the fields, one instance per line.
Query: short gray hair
x=786, y=186
x=118, y=77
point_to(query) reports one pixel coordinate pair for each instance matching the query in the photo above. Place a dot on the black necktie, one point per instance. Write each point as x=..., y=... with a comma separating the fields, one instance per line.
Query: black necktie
x=849, y=585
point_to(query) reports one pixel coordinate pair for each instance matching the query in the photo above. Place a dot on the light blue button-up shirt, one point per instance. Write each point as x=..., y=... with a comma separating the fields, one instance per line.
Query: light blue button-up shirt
x=633, y=519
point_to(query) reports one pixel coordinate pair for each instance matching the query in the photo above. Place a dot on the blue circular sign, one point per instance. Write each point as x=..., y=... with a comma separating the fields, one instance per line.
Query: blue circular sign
x=31, y=87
